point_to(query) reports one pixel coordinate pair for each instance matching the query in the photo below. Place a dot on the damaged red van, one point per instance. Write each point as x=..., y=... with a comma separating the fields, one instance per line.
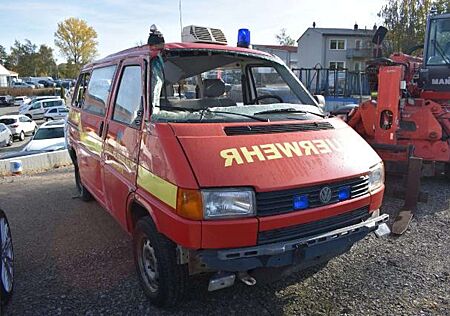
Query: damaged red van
x=217, y=159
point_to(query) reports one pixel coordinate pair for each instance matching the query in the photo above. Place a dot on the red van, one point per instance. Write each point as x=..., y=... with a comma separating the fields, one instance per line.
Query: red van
x=217, y=159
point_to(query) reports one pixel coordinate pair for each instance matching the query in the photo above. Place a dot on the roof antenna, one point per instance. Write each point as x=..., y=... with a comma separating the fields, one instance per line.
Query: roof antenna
x=314, y=24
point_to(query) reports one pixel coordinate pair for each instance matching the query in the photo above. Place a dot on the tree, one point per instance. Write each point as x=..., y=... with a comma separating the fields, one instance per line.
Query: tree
x=406, y=21
x=27, y=60
x=3, y=56
x=284, y=39
x=76, y=41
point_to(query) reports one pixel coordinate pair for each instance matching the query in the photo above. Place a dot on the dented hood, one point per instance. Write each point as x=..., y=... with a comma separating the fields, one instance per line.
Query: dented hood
x=273, y=161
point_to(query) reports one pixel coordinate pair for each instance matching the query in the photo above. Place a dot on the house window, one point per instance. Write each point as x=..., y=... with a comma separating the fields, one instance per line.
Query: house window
x=358, y=44
x=337, y=65
x=357, y=66
x=337, y=44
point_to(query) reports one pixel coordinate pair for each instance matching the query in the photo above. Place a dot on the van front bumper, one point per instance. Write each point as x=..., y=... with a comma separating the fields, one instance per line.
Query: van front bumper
x=303, y=252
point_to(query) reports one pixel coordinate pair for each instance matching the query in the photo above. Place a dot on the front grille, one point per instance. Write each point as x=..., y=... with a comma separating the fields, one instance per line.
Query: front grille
x=314, y=228
x=279, y=202
x=276, y=128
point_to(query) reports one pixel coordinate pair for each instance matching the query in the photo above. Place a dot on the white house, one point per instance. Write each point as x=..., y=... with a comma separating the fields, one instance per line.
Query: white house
x=6, y=76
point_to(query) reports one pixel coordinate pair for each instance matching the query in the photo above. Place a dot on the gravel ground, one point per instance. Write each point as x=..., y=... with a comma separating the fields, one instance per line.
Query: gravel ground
x=72, y=258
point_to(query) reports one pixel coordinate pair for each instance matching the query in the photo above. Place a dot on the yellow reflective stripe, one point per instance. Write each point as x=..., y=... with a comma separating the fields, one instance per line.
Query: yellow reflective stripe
x=160, y=188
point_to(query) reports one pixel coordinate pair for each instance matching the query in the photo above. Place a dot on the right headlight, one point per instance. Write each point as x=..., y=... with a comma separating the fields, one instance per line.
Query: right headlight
x=228, y=203
x=376, y=177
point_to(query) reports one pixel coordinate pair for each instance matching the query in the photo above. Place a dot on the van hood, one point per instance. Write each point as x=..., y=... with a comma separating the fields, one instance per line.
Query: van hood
x=274, y=160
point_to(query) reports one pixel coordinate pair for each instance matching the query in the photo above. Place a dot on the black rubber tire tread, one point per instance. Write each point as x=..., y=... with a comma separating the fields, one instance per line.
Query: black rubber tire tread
x=83, y=193
x=22, y=136
x=6, y=296
x=173, y=277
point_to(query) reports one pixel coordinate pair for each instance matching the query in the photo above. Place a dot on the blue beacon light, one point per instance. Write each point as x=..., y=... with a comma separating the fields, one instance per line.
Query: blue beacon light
x=243, y=38
x=344, y=193
x=301, y=202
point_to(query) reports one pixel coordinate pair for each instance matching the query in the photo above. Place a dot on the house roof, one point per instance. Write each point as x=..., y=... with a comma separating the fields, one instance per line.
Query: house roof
x=340, y=32
x=4, y=71
x=288, y=48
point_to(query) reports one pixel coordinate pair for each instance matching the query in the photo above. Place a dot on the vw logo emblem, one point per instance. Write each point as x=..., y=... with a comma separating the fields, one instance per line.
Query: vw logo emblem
x=325, y=195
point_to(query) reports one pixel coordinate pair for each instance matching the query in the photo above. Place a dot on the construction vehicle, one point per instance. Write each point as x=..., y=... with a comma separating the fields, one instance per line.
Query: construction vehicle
x=407, y=121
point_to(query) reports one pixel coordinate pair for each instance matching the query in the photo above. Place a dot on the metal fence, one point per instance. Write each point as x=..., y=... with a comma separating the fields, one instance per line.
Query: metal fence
x=333, y=82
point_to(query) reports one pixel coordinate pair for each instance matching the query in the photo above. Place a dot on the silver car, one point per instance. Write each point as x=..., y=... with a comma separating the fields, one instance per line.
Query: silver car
x=6, y=137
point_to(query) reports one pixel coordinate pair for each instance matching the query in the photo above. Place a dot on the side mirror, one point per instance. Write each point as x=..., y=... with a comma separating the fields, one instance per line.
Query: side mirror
x=320, y=99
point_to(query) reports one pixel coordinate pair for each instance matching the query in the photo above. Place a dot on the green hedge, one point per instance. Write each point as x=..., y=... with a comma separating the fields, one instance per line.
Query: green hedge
x=29, y=91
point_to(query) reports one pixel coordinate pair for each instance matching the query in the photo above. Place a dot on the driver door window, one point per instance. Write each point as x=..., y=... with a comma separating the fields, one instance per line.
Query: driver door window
x=270, y=87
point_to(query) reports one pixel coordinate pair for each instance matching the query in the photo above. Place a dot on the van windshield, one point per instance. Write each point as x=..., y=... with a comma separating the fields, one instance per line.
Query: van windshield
x=220, y=86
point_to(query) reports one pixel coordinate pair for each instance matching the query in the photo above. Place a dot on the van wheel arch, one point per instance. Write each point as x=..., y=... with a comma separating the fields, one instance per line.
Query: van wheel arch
x=136, y=211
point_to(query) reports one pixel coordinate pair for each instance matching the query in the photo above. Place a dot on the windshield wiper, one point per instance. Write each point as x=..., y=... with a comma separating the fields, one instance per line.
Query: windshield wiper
x=288, y=110
x=209, y=111
x=241, y=114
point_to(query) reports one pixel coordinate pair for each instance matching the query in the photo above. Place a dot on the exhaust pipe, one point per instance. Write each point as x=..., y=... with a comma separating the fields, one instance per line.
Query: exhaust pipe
x=246, y=278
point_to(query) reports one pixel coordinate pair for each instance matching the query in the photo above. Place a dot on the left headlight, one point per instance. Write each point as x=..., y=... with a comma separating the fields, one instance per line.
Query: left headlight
x=376, y=177
x=228, y=203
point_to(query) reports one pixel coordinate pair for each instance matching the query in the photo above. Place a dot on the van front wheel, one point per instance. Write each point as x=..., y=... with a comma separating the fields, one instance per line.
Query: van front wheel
x=161, y=277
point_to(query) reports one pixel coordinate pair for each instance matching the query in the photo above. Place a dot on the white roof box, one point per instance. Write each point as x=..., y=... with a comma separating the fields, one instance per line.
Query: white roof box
x=201, y=34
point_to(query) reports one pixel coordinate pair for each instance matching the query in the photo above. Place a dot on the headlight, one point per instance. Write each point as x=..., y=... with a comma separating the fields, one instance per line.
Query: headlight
x=376, y=176
x=228, y=203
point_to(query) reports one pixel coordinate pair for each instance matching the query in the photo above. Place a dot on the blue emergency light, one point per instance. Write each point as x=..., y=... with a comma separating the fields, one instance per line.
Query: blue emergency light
x=301, y=202
x=344, y=193
x=243, y=38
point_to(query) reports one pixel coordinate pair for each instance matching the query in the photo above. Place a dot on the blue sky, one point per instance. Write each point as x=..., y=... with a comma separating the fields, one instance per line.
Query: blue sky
x=122, y=24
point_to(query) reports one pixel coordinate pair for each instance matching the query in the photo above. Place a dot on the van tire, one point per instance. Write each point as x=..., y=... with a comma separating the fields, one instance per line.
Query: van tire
x=172, y=278
x=83, y=193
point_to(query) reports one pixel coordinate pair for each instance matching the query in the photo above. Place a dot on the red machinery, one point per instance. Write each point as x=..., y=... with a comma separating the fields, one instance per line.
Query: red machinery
x=409, y=119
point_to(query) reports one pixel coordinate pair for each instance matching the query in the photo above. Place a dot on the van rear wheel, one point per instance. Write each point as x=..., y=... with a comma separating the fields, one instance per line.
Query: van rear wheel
x=83, y=193
x=161, y=277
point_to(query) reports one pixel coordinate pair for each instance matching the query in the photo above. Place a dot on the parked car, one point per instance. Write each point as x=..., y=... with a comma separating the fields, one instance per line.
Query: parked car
x=6, y=261
x=6, y=100
x=37, y=109
x=55, y=113
x=6, y=137
x=212, y=184
x=22, y=100
x=18, y=84
x=48, y=137
x=38, y=98
x=35, y=84
x=47, y=83
x=19, y=125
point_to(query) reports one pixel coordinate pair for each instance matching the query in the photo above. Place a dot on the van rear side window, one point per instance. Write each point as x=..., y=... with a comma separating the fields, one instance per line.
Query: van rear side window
x=98, y=90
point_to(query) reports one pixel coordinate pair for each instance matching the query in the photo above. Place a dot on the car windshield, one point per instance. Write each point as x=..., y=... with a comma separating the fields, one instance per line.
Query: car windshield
x=438, y=51
x=210, y=86
x=48, y=133
x=7, y=121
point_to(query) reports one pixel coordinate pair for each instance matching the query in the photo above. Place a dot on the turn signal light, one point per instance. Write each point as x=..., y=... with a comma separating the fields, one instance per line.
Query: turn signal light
x=189, y=204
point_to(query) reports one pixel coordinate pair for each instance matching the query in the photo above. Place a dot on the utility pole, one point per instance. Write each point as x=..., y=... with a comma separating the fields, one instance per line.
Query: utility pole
x=181, y=16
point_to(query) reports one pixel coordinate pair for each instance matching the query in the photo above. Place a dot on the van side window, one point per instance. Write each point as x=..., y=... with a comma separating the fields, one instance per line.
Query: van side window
x=128, y=107
x=83, y=81
x=98, y=90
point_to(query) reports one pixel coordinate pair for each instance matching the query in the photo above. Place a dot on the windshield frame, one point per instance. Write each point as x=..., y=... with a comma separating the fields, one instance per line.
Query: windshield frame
x=158, y=73
x=431, y=43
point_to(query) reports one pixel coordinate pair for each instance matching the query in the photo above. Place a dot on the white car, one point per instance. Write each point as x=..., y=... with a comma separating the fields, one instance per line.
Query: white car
x=6, y=138
x=18, y=84
x=49, y=137
x=36, y=99
x=22, y=100
x=19, y=125
x=37, y=109
x=56, y=113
